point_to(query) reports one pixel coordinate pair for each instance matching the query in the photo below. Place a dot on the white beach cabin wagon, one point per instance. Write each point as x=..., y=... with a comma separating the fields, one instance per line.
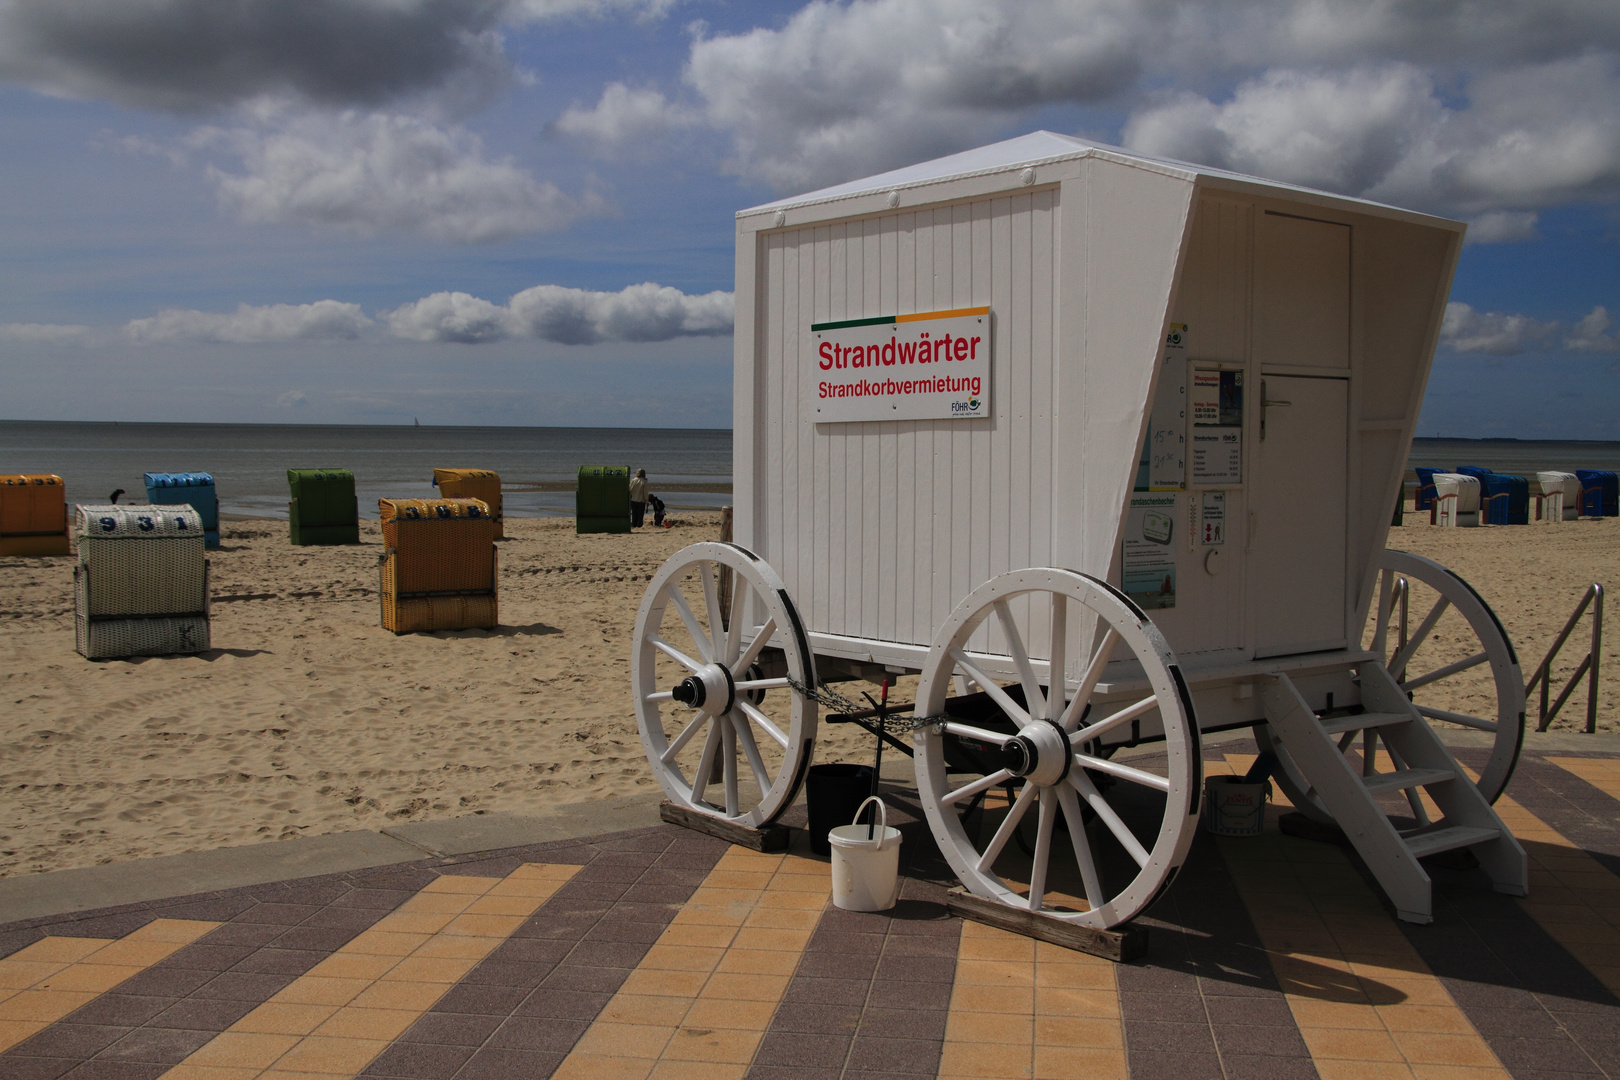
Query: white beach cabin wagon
x=1048, y=399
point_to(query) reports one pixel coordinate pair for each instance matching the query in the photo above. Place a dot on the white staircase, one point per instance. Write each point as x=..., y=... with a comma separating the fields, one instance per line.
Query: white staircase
x=1336, y=790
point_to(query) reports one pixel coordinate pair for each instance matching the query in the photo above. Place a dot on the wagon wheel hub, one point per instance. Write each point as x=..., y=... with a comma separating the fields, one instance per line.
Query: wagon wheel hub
x=711, y=690
x=1040, y=752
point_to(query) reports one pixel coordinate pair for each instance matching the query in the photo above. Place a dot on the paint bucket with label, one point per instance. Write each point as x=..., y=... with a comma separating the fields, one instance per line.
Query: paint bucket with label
x=1233, y=807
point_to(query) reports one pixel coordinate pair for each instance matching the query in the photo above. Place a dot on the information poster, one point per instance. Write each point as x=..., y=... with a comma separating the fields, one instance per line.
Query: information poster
x=1148, y=561
x=1217, y=455
x=1166, y=448
x=1212, y=517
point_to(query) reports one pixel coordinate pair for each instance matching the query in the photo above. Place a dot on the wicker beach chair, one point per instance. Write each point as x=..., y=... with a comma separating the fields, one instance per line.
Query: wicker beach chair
x=323, y=509
x=480, y=484
x=439, y=569
x=194, y=489
x=33, y=515
x=140, y=587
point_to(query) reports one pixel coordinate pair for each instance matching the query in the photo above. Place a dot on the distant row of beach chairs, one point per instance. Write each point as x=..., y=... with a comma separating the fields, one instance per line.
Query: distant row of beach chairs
x=1473, y=495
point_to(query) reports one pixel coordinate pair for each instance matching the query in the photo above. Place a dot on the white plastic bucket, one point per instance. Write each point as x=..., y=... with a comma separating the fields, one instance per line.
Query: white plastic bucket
x=1233, y=808
x=865, y=872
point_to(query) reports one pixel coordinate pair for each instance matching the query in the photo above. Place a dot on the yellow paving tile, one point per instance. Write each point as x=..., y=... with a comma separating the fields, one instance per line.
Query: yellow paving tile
x=1366, y=1004
x=1021, y=1008
x=706, y=991
x=44, y=981
x=332, y=1021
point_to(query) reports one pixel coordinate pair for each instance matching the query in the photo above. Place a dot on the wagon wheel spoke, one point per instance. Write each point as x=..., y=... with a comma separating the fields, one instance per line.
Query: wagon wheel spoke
x=1443, y=672
x=1081, y=844
x=728, y=761
x=1122, y=832
x=1094, y=669
x=1033, y=698
x=1015, y=814
x=983, y=783
x=739, y=593
x=705, y=769
x=977, y=734
x=693, y=627
x=1109, y=723
x=1124, y=772
x=676, y=655
x=762, y=639
x=1013, y=710
x=1043, y=849
x=1475, y=722
x=711, y=611
x=745, y=735
x=749, y=710
x=1057, y=666
x=683, y=738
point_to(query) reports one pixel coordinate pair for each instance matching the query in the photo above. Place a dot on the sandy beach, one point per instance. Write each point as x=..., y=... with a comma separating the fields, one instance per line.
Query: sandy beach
x=307, y=718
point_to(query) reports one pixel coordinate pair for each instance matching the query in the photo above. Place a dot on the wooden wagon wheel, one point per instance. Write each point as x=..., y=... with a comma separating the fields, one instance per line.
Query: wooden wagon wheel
x=1444, y=656
x=701, y=664
x=1128, y=825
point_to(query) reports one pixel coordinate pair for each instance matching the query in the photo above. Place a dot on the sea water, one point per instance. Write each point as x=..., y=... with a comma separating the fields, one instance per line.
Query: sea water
x=249, y=462
x=688, y=469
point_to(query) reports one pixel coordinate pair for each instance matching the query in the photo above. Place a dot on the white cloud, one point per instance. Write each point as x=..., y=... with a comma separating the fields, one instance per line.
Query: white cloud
x=624, y=123
x=646, y=312
x=47, y=334
x=1502, y=227
x=324, y=320
x=293, y=399
x=1467, y=330
x=1590, y=333
x=1471, y=107
x=373, y=172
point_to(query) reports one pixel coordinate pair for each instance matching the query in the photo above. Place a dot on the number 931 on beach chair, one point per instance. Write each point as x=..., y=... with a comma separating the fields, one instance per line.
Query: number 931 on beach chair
x=1098, y=447
x=439, y=567
x=140, y=587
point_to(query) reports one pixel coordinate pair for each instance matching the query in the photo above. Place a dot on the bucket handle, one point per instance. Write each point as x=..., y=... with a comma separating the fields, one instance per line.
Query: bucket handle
x=882, y=822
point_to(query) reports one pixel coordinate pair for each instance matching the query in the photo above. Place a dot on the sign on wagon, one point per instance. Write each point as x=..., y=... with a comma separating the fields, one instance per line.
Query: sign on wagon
x=934, y=365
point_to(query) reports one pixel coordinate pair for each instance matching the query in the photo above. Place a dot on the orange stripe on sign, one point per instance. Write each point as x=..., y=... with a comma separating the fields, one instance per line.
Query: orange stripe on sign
x=42, y=983
x=331, y=1021
x=956, y=313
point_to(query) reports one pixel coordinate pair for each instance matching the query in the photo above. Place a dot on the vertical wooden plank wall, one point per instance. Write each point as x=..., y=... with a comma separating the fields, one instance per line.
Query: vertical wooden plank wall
x=878, y=529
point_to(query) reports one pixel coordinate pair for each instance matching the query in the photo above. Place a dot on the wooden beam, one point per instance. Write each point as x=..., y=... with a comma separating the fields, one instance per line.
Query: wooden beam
x=1121, y=944
x=770, y=838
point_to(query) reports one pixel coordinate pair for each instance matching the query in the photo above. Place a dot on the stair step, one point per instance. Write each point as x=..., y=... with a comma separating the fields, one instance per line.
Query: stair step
x=1448, y=839
x=1407, y=778
x=1339, y=725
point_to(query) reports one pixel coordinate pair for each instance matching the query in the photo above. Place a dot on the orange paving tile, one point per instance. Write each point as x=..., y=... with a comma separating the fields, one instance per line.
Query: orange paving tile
x=1022, y=1008
x=333, y=1020
x=701, y=999
x=1364, y=1001
x=43, y=982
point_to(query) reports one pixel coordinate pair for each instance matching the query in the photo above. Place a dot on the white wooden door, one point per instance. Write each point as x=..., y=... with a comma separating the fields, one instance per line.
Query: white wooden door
x=1298, y=520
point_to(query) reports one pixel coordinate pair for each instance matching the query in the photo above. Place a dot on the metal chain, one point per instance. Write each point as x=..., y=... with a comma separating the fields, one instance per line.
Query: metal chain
x=832, y=700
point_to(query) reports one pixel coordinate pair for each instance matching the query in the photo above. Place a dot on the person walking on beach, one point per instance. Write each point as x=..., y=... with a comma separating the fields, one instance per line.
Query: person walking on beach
x=638, y=498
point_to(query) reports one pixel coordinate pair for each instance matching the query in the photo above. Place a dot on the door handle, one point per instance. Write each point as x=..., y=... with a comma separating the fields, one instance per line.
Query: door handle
x=1266, y=403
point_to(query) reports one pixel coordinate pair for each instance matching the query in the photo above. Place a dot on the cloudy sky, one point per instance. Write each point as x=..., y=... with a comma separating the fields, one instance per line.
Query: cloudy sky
x=520, y=211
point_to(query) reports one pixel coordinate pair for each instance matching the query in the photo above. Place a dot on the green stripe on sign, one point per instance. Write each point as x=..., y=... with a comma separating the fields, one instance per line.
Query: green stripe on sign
x=880, y=320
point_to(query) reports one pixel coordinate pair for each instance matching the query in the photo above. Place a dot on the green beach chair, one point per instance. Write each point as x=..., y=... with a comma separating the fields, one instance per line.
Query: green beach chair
x=602, y=499
x=323, y=509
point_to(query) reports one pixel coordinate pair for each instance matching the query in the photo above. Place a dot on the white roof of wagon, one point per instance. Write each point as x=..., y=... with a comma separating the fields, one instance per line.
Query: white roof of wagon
x=1046, y=147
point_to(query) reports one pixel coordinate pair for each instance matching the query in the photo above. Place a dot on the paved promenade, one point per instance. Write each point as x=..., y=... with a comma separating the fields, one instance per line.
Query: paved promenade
x=657, y=952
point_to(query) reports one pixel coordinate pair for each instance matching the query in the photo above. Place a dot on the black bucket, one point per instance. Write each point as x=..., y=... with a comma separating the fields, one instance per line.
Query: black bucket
x=833, y=793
